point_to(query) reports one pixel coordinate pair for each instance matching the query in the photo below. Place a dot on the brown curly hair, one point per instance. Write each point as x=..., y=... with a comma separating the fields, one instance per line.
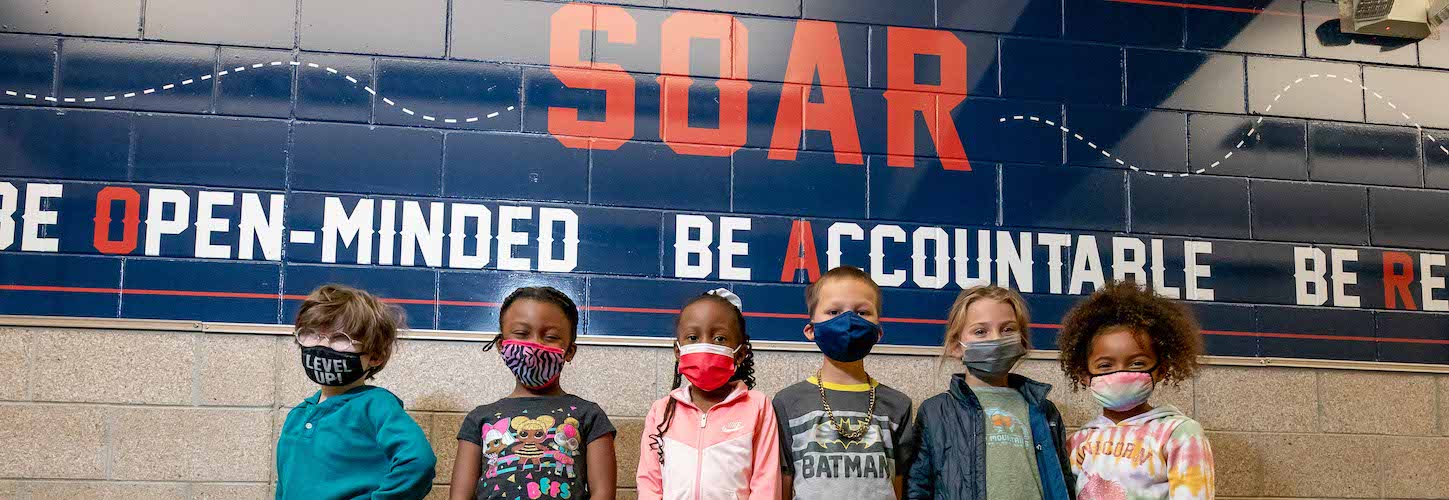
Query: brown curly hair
x=361, y=315
x=1170, y=329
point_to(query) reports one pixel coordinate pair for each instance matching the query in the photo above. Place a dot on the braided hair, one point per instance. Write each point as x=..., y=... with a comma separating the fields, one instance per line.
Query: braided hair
x=744, y=372
x=545, y=294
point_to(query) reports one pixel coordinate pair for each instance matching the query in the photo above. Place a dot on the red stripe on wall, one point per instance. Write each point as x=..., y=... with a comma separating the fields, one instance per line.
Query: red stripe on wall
x=649, y=310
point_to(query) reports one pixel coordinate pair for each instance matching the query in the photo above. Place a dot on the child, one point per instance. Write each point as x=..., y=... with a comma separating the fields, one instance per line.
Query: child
x=539, y=441
x=350, y=439
x=734, y=452
x=993, y=434
x=1120, y=343
x=846, y=436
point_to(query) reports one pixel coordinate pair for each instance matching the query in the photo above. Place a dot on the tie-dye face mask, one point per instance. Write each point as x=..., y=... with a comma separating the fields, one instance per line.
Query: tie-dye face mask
x=1122, y=391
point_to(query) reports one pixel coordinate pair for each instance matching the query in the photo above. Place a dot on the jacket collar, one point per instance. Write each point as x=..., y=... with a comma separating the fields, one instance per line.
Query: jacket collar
x=1034, y=392
x=682, y=394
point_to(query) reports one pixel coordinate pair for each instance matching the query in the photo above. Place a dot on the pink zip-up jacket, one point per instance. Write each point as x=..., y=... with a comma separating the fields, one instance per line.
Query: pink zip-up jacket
x=730, y=452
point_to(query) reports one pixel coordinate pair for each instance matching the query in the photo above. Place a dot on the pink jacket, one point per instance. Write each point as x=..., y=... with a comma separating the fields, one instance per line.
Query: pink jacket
x=730, y=452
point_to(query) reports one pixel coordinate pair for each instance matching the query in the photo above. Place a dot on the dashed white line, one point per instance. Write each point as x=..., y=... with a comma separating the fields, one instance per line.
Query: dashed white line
x=1251, y=130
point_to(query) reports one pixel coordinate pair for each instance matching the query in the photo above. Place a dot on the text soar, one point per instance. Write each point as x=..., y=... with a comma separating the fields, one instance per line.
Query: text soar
x=815, y=50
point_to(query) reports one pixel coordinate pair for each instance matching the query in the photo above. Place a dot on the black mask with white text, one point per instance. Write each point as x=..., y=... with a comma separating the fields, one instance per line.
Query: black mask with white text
x=326, y=366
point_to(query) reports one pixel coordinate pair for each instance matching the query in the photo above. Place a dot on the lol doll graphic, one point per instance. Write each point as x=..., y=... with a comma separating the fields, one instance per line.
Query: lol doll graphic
x=531, y=434
x=496, y=439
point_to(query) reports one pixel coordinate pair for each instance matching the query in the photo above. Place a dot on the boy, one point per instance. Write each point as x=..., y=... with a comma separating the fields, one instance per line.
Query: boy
x=350, y=439
x=844, y=436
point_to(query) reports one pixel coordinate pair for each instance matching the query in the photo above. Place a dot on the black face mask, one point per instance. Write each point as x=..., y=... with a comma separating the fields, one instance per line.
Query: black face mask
x=326, y=366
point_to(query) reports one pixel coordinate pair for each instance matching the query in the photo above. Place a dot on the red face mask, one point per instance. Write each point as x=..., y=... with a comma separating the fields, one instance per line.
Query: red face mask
x=707, y=366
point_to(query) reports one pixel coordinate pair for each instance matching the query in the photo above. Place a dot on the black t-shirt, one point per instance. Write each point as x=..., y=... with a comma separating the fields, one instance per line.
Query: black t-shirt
x=535, y=447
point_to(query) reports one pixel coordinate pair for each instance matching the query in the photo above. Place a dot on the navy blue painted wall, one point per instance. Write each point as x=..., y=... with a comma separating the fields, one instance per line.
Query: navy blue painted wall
x=447, y=100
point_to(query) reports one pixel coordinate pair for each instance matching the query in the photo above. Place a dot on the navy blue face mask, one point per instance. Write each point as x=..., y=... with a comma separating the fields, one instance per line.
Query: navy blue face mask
x=847, y=337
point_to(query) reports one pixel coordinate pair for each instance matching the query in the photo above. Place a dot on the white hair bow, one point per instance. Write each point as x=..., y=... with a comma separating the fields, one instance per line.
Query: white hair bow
x=729, y=296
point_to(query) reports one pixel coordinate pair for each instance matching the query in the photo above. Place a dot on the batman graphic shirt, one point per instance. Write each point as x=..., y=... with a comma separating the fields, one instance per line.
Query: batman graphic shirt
x=826, y=465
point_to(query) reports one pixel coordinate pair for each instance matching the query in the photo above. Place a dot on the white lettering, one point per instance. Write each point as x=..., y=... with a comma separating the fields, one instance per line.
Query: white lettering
x=1342, y=279
x=422, y=234
x=1194, y=271
x=1432, y=283
x=1159, y=269
x=1122, y=266
x=207, y=223
x=37, y=218
x=729, y=248
x=936, y=276
x=265, y=228
x=684, y=247
x=1311, y=287
x=836, y=231
x=509, y=238
x=386, y=231
x=1014, y=262
x=458, y=256
x=547, y=218
x=983, y=259
x=156, y=222
x=878, y=235
x=8, y=195
x=1056, y=244
x=337, y=223
x=1086, y=266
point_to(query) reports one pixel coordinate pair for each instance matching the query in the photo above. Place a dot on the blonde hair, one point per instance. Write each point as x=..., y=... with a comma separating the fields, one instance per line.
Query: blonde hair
x=357, y=313
x=812, y=292
x=956, y=321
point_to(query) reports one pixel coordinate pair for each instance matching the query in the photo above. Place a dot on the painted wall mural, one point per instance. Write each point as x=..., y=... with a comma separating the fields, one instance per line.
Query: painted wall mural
x=1287, y=180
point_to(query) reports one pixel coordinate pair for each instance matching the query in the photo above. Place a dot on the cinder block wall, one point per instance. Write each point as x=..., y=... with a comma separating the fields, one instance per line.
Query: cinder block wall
x=143, y=415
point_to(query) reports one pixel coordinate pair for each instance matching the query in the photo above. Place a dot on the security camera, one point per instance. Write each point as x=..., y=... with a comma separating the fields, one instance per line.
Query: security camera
x=1395, y=18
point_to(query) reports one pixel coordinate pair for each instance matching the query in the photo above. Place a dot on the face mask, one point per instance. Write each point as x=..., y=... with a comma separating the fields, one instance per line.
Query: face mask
x=1122, y=391
x=992, y=358
x=847, y=337
x=326, y=366
x=535, y=365
x=707, y=366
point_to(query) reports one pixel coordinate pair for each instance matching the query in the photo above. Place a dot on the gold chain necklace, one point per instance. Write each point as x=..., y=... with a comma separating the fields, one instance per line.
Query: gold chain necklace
x=842, y=426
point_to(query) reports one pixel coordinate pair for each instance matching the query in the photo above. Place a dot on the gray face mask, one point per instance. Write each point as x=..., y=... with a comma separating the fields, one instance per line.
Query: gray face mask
x=992, y=358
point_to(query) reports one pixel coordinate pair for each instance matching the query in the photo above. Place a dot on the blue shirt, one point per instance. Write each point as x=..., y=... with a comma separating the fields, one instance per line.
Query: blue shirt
x=359, y=444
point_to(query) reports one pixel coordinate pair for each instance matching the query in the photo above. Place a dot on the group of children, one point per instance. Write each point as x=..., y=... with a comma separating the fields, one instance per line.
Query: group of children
x=839, y=434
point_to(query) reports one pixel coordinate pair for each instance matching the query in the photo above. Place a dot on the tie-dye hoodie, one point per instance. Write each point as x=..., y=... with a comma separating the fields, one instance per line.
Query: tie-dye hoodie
x=1158, y=455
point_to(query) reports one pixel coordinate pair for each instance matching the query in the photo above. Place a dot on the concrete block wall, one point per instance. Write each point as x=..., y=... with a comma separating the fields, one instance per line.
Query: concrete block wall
x=173, y=415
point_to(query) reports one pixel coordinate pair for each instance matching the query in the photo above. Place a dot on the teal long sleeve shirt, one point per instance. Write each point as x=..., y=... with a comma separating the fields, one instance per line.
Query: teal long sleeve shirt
x=360, y=444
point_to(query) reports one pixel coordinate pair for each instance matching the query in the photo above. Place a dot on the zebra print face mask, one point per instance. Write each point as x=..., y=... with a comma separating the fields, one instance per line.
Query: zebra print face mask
x=536, y=365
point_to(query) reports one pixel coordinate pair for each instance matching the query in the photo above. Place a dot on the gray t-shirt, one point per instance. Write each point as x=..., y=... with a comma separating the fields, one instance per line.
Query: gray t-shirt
x=1010, y=450
x=826, y=466
x=535, y=447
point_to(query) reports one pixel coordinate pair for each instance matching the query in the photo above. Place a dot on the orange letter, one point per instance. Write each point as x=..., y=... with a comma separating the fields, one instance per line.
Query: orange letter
x=800, y=253
x=816, y=48
x=102, y=239
x=618, y=125
x=905, y=97
x=678, y=31
x=1398, y=281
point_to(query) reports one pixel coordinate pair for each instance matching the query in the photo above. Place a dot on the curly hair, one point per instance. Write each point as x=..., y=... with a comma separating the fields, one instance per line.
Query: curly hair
x=745, y=372
x=1168, y=327
x=545, y=294
x=361, y=315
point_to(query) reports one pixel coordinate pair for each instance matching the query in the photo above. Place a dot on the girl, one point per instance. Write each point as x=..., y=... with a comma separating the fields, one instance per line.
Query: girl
x=1120, y=343
x=539, y=441
x=350, y=439
x=992, y=434
x=734, y=451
